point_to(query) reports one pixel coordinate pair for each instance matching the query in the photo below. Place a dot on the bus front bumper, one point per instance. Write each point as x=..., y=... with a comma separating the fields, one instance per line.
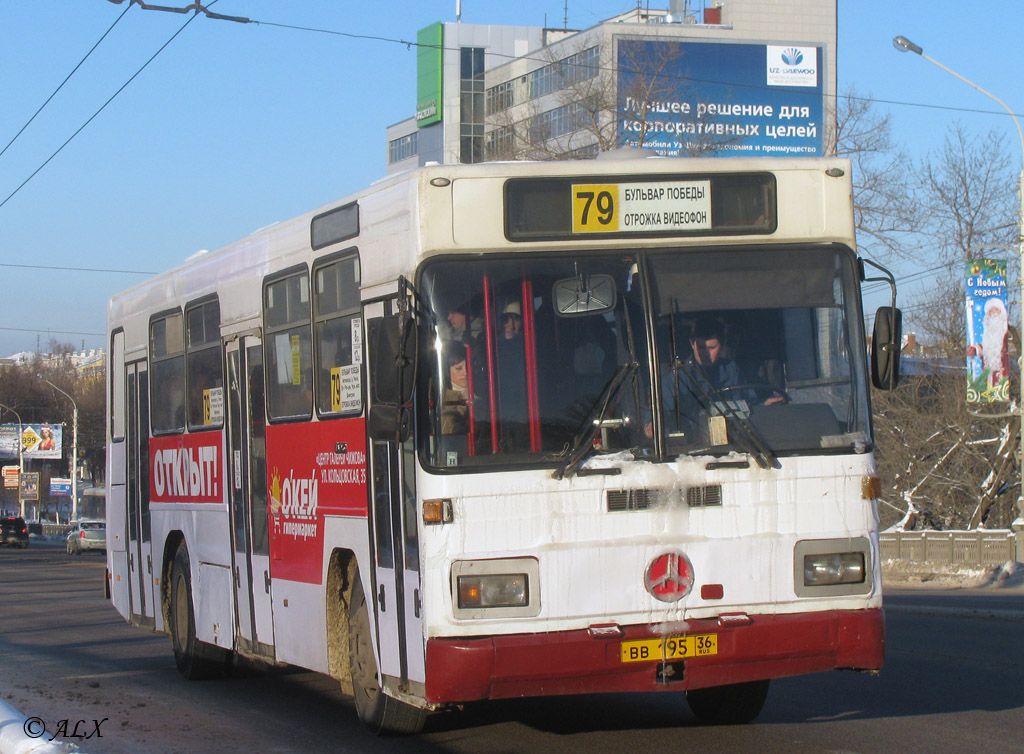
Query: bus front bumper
x=588, y=661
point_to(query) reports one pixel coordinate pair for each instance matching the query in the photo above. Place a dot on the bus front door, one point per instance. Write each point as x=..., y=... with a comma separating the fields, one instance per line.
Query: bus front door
x=247, y=461
x=395, y=545
x=141, y=580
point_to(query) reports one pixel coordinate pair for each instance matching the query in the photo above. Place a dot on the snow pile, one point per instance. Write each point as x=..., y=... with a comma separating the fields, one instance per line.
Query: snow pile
x=14, y=738
x=902, y=573
x=1009, y=574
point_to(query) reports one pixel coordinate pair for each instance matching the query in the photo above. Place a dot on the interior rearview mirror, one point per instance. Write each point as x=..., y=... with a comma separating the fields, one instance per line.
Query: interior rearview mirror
x=584, y=294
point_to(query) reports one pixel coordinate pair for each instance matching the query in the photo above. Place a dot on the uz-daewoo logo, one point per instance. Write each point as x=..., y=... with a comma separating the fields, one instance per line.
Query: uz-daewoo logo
x=669, y=577
x=792, y=56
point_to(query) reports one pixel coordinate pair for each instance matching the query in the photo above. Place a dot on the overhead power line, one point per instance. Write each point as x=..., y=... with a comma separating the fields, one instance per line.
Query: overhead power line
x=195, y=7
x=49, y=330
x=62, y=83
x=75, y=269
x=101, y=109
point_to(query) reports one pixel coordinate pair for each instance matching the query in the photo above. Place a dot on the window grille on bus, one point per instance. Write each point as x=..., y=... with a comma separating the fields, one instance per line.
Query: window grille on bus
x=699, y=497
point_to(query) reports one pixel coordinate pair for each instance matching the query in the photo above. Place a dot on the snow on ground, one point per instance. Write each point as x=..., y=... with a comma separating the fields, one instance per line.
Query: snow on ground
x=1009, y=575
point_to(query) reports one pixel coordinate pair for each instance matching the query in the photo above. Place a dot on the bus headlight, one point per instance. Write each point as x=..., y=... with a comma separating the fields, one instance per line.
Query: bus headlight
x=496, y=590
x=500, y=588
x=832, y=567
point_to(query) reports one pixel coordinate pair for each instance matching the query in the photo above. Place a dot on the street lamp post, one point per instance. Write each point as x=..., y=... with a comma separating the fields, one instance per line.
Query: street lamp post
x=905, y=45
x=74, y=448
x=21, y=460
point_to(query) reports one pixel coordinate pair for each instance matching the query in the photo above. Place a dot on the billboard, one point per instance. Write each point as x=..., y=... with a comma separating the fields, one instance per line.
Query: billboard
x=988, y=358
x=60, y=486
x=429, y=59
x=752, y=100
x=37, y=440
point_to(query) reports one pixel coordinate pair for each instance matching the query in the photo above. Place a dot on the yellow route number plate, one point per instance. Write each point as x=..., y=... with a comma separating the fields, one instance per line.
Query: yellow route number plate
x=651, y=207
x=670, y=648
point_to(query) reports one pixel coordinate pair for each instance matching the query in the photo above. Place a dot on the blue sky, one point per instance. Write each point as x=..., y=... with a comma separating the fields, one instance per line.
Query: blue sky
x=232, y=127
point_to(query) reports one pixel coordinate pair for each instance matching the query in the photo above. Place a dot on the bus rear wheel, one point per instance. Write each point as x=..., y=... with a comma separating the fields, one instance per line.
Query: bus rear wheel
x=734, y=704
x=379, y=713
x=196, y=660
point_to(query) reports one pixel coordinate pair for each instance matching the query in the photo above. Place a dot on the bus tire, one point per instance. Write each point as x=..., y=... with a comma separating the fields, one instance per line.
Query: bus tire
x=196, y=660
x=735, y=704
x=379, y=713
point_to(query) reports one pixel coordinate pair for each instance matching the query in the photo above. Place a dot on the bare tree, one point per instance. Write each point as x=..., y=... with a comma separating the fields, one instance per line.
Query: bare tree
x=949, y=464
x=594, y=104
x=886, y=215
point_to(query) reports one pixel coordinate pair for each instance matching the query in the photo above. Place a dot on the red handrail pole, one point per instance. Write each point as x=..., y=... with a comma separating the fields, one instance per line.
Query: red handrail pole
x=489, y=340
x=471, y=414
x=530, y=343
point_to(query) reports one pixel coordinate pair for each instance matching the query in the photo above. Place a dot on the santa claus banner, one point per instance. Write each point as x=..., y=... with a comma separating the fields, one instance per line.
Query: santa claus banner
x=988, y=359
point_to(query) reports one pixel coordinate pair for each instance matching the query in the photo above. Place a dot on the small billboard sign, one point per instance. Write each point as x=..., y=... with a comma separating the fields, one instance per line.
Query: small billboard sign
x=30, y=485
x=988, y=358
x=60, y=486
x=11, y=477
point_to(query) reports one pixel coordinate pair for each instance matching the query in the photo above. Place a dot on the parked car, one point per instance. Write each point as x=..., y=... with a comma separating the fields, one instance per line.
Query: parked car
x=87, y=535
x=13, y=532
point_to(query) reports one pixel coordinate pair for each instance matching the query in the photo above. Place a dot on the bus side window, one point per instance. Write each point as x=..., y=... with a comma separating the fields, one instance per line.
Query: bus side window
x=288, y=347
x=336, y=328
x=167, y=360
x=204, y=367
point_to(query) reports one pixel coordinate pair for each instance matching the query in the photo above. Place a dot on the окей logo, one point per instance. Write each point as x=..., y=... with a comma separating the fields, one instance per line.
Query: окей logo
x=792, y=56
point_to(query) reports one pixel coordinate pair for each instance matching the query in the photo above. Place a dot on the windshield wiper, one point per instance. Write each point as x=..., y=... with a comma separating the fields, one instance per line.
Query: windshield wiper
x=583, y=439
x=710, y=395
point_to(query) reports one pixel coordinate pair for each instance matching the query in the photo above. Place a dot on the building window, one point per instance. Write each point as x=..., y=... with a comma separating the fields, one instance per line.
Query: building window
x=558, y=122
x=500, y=144
x=579, y=67
x=499, y=97
x=473, y=103
x=402, y=148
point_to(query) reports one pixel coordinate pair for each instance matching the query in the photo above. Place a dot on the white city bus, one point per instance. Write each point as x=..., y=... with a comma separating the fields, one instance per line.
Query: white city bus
x=503, y=430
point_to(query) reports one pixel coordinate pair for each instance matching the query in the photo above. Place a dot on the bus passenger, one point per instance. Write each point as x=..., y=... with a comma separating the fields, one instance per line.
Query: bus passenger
x=512, y=397
x=455, y=408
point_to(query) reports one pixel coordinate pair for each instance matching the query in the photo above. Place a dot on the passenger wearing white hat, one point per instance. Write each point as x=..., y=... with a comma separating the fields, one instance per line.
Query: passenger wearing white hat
x=512, y=319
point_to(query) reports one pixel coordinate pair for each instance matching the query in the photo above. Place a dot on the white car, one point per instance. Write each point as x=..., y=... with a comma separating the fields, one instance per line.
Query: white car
x=87, y=535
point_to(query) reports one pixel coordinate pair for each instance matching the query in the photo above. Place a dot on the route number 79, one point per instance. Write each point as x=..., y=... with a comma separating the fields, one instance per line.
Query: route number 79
x=594, y=208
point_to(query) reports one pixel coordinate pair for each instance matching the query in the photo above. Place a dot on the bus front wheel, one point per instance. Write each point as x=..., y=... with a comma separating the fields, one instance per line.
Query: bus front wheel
x=734, y=704
x=379, y=713
x=196, y=660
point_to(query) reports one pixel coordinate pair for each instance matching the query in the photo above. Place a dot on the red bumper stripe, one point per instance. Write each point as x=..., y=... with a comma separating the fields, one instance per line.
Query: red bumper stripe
x=576, y=662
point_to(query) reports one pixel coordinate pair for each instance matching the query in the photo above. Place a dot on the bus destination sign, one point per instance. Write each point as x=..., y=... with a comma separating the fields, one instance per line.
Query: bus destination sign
x=660, y=206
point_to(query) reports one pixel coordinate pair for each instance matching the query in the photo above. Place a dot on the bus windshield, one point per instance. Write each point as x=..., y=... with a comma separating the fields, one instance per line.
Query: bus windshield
x=539, y=359
x=524, y=351
x=754, y=351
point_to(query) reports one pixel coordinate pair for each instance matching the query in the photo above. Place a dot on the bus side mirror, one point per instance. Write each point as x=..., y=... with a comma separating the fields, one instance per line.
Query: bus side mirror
x=393, y=369
x=394, y=358
x=886, y=344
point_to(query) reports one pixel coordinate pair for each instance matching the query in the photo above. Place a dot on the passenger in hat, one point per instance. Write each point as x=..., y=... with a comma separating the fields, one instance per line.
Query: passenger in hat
x=512, y=320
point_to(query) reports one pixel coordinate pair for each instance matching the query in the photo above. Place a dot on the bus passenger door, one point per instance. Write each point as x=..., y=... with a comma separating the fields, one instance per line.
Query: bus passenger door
x=395, y=544
x=140, y=547
x=247, y=463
